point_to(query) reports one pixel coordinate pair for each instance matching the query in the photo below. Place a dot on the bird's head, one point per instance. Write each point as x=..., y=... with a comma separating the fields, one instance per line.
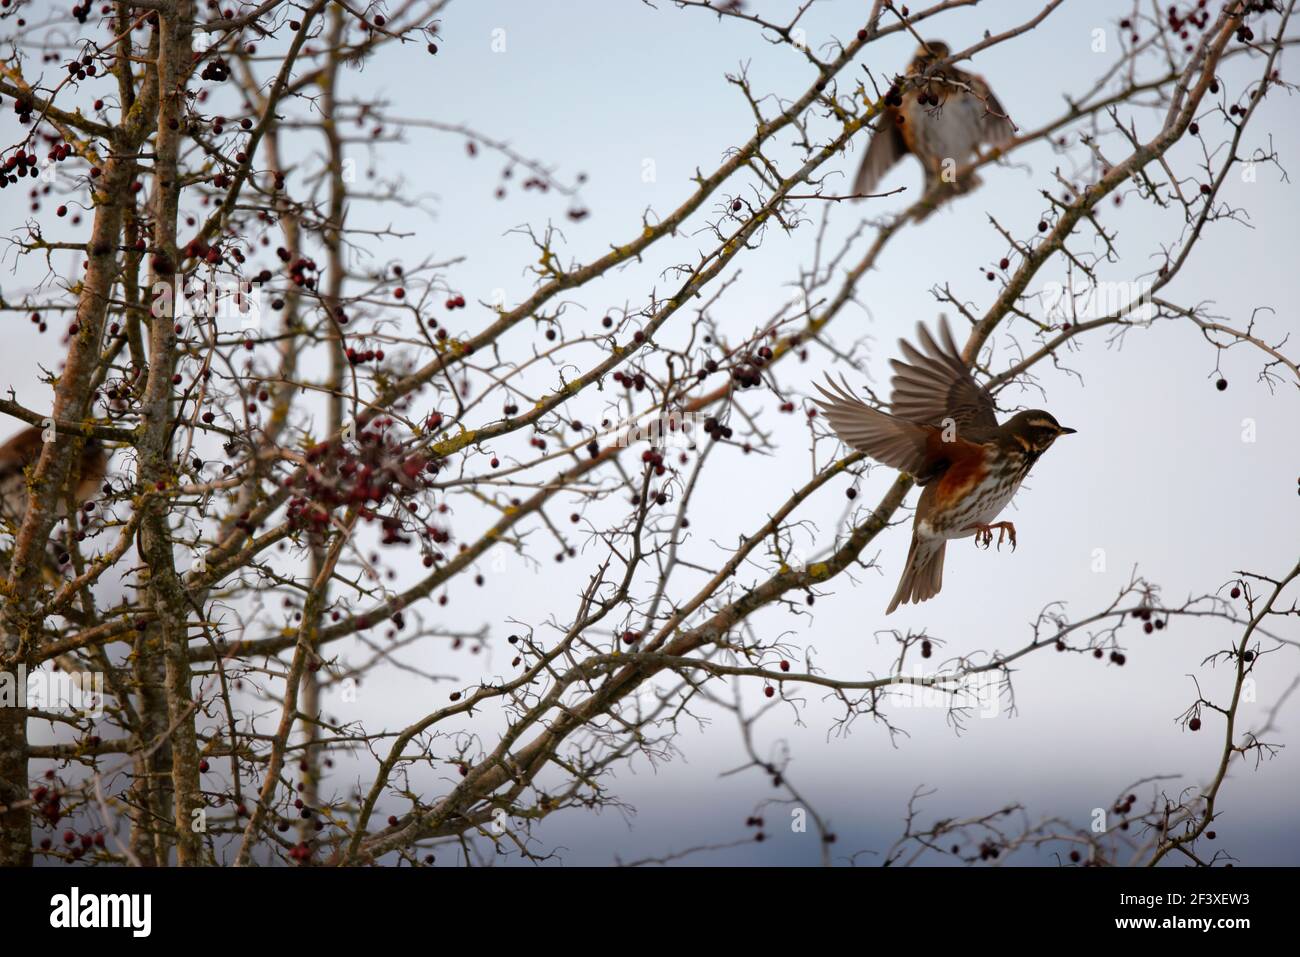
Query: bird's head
x=1035, y=430
x=930, y=52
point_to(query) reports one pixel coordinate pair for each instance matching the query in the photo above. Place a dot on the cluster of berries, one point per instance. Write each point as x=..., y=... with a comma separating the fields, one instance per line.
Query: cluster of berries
x=715, y=429
x=216, y=71
x=748, y=372
x=366, y=476
x=20, y=164
x=299, y=268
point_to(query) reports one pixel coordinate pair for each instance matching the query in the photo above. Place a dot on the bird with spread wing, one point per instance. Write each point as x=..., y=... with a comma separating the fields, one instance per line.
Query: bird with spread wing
x=942, y=429
x=941, y=115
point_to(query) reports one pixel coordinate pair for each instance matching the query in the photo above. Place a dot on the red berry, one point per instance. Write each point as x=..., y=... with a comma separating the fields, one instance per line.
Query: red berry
x=1194, y=724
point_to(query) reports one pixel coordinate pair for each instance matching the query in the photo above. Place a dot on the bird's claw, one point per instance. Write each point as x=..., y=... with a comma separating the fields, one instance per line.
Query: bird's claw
x=1010, y=530
x=984, y=534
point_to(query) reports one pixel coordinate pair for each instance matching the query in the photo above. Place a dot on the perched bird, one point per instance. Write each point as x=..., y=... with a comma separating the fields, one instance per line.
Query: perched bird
x=939, y=114
x=943, y=431
x=23, y=450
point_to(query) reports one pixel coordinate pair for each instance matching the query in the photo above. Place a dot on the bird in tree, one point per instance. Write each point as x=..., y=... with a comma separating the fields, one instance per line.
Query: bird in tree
x=943, y=431
x=20, y=453
x=939, y=114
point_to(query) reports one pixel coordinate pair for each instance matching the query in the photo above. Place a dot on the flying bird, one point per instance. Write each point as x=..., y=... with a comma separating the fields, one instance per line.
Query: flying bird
x=943, y=431
x=23, y=450
x=941, y=115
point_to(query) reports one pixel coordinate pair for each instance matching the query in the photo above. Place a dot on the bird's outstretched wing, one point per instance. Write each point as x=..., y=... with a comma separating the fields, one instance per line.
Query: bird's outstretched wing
x=996, y=127
x=886, y=148
x=932, y=383
x=886, y=438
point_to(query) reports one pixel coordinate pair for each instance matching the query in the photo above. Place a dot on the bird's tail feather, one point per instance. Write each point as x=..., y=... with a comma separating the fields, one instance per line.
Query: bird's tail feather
x=923, y=575
x=966, y=184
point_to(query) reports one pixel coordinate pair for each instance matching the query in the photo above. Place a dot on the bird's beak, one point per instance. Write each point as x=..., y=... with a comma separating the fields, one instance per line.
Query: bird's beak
x=1065, y=431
